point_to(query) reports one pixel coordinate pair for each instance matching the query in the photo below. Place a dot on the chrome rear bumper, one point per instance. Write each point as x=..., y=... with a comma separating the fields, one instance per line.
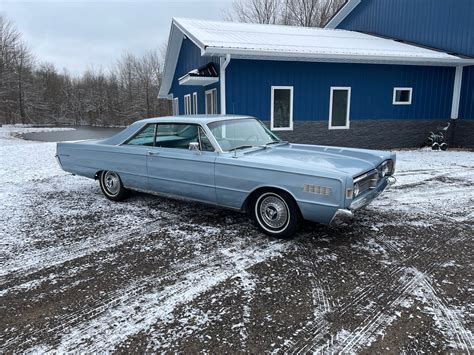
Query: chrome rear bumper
x=58, y=161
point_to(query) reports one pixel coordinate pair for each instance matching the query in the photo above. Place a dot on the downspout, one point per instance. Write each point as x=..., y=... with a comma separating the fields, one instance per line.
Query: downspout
x=223, y=65
x=456, y=93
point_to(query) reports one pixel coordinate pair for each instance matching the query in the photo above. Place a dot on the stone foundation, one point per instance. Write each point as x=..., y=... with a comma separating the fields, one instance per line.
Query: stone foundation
x=379, y=134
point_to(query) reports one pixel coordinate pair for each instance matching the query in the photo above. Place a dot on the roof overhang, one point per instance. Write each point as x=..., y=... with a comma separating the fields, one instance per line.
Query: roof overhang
x=338, y=58
x=197, y=80
x=349, y=6
x=178, y=32
x=202, y=76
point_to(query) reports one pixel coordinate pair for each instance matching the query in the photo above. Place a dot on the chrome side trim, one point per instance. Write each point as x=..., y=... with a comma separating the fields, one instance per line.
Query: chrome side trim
x=59, y=161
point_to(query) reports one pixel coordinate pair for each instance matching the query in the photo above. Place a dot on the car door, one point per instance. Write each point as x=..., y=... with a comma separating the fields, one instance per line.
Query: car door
x=176, y=170
x=129, y=158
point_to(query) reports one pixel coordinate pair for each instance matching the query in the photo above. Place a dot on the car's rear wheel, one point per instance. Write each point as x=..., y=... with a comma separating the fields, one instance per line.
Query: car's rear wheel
x=112, y=186
x=275, y=213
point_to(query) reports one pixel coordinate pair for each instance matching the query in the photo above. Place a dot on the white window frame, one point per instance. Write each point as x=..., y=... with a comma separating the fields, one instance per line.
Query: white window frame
x=348, y=114
x=395, y=102
x=290, y=127
x=187, y=104
x=176, y=106
x=195, y=103
x=213, y=93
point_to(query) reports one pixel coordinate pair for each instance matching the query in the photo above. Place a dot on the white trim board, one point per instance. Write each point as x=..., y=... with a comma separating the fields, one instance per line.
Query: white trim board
x=394, y=100
x=187, y=104
x=348, y=113
x=342, y=13
x=456, y=92
x=175, y=106
x=213, y=101
x=272, y=127
x=195, y=103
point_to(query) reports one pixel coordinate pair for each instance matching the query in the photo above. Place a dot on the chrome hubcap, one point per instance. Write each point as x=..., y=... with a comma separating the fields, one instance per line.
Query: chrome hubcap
x=274, y=212
x=112, y=182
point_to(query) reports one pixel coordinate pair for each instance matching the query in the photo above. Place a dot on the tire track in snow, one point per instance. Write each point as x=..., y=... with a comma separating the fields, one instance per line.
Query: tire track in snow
x=448, y=316
x=29, y=263
x=113, y=323
x=378, y=319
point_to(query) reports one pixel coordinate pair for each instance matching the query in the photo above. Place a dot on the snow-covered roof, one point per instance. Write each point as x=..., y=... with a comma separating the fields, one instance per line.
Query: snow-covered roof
x=220, y=38
x=275, y=42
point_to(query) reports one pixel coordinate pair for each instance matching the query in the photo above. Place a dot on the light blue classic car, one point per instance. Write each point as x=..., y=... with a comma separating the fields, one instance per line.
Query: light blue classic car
x=233, y=162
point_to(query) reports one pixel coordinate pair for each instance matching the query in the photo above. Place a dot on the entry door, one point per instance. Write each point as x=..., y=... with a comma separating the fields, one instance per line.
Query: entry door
x=174, y=169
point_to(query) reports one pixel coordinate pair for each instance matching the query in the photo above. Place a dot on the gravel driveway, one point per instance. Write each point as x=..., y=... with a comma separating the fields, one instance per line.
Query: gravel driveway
x=81, y=273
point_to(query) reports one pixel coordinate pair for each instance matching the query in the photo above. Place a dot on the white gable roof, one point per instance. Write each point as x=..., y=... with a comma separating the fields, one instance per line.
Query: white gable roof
x=275, y=42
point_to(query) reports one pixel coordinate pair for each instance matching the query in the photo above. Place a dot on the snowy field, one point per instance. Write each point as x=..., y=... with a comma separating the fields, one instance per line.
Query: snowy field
x=81, y=273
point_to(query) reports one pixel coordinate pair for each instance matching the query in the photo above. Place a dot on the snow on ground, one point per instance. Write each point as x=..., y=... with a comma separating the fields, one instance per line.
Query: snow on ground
x=81, y=273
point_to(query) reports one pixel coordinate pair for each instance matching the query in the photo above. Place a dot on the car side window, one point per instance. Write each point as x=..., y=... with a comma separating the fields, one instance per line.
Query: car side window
x=179, y=135
x=144, y=137
x=204, y=142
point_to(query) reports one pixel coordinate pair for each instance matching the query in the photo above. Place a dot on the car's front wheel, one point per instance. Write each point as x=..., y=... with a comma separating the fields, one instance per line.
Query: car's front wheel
x=276, y=213
x=112, y=186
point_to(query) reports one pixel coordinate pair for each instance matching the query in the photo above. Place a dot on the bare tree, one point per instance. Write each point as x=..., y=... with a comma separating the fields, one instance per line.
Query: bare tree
x=40, y=94
x=255, y=11
x=307, y=13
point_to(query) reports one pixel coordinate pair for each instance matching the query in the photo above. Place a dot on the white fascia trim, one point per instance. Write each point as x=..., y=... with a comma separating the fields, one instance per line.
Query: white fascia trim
x=343, y=13
x=196, y=80
x=173, y=48
x=290, y=127
x=348, y=113
x=457, y=92
x=188, y=34
x=395, y=102
x=238, y=53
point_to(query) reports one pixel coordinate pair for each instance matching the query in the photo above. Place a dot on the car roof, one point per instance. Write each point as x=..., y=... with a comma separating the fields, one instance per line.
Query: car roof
x=198, y=119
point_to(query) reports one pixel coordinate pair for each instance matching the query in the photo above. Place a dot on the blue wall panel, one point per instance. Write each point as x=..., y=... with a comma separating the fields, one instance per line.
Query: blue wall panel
x=466, y=108
x=248, y=88
x=190, y=58
x=443, y=24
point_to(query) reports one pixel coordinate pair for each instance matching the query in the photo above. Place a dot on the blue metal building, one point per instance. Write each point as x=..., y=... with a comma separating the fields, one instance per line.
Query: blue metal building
x=327, y=86
x=439, y=24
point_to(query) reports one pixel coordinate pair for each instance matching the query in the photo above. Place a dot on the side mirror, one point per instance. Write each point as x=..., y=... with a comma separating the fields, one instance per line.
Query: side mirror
x=194, y=146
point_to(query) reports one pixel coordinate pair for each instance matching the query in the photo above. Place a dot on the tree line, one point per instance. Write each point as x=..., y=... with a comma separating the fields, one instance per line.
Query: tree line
x=37, y=93
x=305, y=13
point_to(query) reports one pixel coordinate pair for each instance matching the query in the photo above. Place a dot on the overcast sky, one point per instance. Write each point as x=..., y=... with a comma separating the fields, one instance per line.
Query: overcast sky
x=94, y=33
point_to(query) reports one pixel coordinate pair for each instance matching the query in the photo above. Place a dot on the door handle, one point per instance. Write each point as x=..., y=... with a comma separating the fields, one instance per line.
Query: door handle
x=153, y=153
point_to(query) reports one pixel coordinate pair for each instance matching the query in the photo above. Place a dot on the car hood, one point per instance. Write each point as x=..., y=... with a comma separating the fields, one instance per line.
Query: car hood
x=315, y=158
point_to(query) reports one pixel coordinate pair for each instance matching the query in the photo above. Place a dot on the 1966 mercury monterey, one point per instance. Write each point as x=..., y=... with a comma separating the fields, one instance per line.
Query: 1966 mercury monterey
x=233, y=162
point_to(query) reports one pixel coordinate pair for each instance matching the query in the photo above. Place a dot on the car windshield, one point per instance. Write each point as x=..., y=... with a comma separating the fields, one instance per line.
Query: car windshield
x=242, y=133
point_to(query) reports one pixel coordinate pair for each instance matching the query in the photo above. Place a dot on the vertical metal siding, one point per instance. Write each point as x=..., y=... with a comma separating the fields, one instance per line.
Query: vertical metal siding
x=443, y=24
x=248, y=89
x=190, y=58
x=466, y=108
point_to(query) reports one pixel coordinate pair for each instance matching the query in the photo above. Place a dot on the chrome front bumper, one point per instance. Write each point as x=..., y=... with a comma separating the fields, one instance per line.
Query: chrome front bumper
x=345, y=215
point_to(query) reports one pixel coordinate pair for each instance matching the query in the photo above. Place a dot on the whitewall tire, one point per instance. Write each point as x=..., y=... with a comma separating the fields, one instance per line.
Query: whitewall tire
x=275, y=213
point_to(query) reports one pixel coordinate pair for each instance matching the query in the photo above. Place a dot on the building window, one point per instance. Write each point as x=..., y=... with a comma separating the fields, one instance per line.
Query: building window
x=175, y=106
x=402, y=96
x=187, y=104
x=195, y=103
x=282, y=108
x=211, y=102
x=339, y=107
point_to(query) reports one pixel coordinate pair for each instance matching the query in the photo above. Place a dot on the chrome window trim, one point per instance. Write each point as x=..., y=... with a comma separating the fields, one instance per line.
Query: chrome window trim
x=203, y=127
